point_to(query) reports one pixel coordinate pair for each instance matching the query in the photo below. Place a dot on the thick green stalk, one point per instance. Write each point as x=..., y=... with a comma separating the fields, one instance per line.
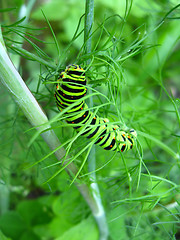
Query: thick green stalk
x=100, y=214
x=13, y=82
x=25, y=11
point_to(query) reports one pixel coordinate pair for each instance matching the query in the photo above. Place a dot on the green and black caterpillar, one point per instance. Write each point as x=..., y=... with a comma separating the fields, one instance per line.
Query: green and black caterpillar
x=71, y=87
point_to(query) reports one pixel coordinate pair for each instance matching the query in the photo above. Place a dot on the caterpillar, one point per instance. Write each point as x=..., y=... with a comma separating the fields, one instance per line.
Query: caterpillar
x=70, y=88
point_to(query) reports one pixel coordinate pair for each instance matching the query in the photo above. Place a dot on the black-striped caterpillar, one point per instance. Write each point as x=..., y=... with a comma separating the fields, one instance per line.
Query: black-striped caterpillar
x=71, y=87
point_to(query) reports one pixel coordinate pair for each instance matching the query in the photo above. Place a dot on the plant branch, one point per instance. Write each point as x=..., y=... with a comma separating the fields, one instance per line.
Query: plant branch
x=89, y=18
x=13, y=82
x=100, y=218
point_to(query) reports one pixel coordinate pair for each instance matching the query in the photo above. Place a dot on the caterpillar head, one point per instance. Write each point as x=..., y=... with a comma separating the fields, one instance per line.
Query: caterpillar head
x=133, y=133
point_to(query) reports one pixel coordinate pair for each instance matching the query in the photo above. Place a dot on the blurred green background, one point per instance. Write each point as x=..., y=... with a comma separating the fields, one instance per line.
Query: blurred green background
x=135, y=57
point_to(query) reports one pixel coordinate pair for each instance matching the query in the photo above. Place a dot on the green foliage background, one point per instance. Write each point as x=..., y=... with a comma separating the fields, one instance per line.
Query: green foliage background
x=135, y=66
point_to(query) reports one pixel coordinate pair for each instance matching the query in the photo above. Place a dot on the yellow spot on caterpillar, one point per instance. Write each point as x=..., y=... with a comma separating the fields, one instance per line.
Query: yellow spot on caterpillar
x=84, y=115
x=72, y=122
x=63, y=94
x=111, y=146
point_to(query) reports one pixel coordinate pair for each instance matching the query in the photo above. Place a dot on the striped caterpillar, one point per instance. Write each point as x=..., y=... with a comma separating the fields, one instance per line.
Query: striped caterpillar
x=71, y=87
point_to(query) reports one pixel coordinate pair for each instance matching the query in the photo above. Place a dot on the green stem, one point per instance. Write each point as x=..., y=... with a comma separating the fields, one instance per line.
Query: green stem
x=89, y=18
x=4, y=197
x=100, y=214
x=13, y=82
